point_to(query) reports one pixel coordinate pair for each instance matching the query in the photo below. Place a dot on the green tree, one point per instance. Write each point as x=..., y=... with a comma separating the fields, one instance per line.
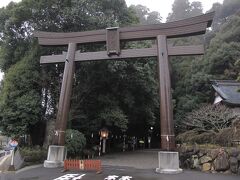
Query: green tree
x=219, y=62
x=118, y=99
x=20, y=98
x=196, y=8
x=190, y=84
x=223, y=52
x=146, y=16
x=229, y=7
x=75, y=143
x=209, y=117
x=180, y=10
x=96, y=99
x=223, y=12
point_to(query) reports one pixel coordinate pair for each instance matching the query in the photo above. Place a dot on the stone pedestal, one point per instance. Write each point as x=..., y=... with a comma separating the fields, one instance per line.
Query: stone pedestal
x=168, y=163
x=56, y=156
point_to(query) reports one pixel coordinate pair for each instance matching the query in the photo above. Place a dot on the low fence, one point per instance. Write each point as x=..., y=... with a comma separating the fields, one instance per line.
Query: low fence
x=72, y=164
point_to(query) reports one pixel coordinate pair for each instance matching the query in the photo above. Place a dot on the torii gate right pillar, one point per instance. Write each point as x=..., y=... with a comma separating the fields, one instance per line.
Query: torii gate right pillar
x=168, y=159
x=166, y=110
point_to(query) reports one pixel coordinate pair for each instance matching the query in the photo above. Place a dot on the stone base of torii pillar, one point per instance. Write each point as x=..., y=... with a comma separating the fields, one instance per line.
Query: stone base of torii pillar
x=168, y=162
x=56, y=156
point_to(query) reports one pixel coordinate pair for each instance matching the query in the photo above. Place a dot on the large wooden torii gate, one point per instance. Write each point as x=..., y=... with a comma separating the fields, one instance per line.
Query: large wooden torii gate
x=112, y=36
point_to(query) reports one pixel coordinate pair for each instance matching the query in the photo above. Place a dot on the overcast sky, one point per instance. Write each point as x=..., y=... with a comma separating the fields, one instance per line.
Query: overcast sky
x=162, y=6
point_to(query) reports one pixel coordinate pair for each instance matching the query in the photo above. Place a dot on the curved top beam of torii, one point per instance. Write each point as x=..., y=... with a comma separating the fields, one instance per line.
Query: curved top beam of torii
x=182, y=28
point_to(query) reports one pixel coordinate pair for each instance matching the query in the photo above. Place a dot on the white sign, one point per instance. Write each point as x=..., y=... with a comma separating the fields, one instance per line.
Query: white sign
x=70, y=177
x=111, y=177
x=114, y=177
x=13, y=143
x=125, y=178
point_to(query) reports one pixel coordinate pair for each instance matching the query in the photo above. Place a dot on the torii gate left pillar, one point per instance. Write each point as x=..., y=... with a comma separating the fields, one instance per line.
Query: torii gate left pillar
x=65, y=96
x=57, y=152
x=166, y=110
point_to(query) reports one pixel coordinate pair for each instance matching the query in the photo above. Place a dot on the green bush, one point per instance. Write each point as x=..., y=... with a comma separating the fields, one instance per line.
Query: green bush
x=223, y=138
x=75, y=143
x=205, y=137
x=33, y=155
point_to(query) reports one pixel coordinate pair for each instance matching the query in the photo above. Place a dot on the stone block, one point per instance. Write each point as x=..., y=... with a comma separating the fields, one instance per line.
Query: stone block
x=205, y=159
x=213, y=153
x=233, y=164
x=221, y=162
x=56, y=156
x=234, y=152
x=195, y=162
x=238, y=157
x=18, y=160
x=168, y=162
x=227, y=172
x=238, y=171
x=206, y=167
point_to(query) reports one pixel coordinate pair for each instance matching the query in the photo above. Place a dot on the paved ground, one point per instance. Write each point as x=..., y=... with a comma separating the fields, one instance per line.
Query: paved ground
x=139, y=165
x=142, y=159
x=5, y=162
x=136, y=174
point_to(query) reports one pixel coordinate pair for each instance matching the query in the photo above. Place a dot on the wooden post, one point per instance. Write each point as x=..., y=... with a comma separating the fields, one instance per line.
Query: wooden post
x=166, y=110
x=65, y=96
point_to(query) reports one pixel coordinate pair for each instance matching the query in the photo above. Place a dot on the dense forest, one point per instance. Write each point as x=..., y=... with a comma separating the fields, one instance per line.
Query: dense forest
x=120, y=95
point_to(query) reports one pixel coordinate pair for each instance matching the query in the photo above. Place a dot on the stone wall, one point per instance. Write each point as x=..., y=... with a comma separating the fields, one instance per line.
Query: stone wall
x=236, y=130
x=225, y=160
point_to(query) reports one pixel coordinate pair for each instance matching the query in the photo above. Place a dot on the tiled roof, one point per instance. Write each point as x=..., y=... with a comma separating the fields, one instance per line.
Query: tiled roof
x=229, y=91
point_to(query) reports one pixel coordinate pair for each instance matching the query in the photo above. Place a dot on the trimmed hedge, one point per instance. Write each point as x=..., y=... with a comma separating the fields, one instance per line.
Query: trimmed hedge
x=192, y=137
x=33, y=155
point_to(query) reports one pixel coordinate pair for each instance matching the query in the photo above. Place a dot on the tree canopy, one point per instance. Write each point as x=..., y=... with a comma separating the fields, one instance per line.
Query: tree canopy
x=101, y=96
x=120, y=95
